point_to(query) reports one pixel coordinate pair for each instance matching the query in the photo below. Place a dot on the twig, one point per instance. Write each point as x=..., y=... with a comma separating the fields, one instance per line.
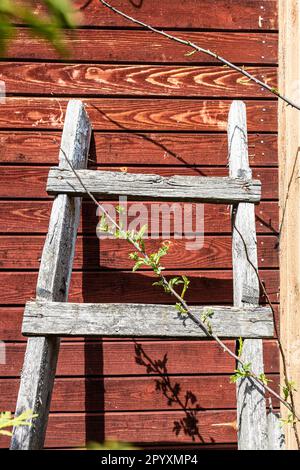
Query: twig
x=197, y=48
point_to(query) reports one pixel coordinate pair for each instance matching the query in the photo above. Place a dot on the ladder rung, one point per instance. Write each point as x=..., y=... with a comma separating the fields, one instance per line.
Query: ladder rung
x=112, y=184
x=71, y=319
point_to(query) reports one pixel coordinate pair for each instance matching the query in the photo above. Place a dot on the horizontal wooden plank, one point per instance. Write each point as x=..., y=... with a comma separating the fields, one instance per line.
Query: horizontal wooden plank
x=188, y=14
x=112, y=184
x=86, y=319
x=24, y=252
x=118, y=357
x=206, y=286
x=30, y=182
x=11, y=324
x=134, y=393
x=33, y=216
x=137, y=114
x=117, y=45
x=75, y=429
x=91, y=79
x=137, y=148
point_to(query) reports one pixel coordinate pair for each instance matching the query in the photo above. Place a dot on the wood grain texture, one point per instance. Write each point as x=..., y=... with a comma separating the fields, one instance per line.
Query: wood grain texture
x=11, y=324
x=139, y=427
x=24, y=252
x=111, y=185
x=99, y=286
x=61, y=319
x=117, y=45
x=33, y=147
x=91, y=79
x=32, y=216
x=137, y=114
x=251, y=404
x=187, y=14
x=79, y=394
x=53, y=284
x=30, y=181
x=118, y=357
x=276, y=438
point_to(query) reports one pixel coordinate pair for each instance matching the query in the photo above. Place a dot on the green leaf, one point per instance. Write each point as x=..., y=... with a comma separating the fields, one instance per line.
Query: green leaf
x=206, y=315
x=63, y=12
x=134, y=256
x=158, y=283
x=175, y=281
x=186, y=283
x=102, y=225
x=60, y=15
x=179, y=307
x=142, y=245
x=264, y=379
x=6, y=433
x=7, y=421
x=109, y=445
x=142, y=231
x=7, y=32
x=275, y=91
x=137, y=265
x=120, y=209
x=289, y=419
x=242, y=372
x=234, y=378
x=240, y=347
x=188, y=54
x=288, y=388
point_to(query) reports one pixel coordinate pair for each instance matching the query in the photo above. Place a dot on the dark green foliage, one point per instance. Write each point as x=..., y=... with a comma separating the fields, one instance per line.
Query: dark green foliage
x=59, y=15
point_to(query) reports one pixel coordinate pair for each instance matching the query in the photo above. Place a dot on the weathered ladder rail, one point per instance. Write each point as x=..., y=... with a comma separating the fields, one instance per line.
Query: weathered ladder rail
x=112, y=184
x=49, y=317
x=252, y=421
x=53, y=283
x=56, y=318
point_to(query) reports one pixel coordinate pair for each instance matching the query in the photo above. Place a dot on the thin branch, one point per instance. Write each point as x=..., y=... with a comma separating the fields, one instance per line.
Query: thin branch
x=197, y=48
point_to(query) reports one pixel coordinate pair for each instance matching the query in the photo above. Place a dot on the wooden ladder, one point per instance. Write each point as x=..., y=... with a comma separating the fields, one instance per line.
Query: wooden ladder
x=49, y=317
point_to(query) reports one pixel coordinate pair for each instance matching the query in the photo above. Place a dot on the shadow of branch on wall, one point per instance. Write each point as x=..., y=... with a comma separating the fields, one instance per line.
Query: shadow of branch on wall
x=147, y=138
x=172, y=391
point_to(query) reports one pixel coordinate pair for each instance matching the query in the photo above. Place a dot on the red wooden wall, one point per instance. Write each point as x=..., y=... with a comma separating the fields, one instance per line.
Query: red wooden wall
x=153, y=110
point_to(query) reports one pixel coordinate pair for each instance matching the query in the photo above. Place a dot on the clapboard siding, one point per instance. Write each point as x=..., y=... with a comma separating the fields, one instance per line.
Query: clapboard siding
x=33, y=216
x=121, y=46
x=138, y=114
x=99, y=286
x=123, y=394
x=226, y=14
x=139, y=427
x=122, y=149
x=30, y=182
x=119, y=358
x=153, y=110
x=92, y=79
x=24, y=252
